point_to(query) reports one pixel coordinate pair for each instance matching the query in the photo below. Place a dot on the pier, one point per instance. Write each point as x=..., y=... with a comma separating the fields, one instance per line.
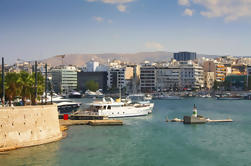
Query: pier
x=192, y=120
x=224, y=120
x=105, y=122
x=197, y=119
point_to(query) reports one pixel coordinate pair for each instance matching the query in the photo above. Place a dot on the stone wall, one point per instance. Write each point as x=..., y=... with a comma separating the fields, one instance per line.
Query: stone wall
x=28, y=126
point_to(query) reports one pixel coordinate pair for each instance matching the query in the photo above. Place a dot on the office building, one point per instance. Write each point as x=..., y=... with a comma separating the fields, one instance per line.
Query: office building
x=184, y=56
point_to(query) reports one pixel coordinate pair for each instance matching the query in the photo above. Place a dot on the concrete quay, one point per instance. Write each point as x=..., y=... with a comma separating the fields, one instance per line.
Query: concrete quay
x=105, y=122
x=224, y=120
x=198, y=120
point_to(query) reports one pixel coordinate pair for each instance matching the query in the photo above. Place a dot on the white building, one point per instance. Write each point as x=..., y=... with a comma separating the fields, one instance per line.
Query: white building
x=191, y=75
x=167, y=78
x=92, y=66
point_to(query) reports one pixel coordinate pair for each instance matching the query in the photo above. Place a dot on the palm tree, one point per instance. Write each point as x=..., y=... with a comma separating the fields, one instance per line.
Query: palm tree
x=12, y=87
x=25, y=83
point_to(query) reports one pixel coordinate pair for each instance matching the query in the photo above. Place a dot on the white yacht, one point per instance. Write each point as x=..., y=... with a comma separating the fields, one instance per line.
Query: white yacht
x=118, y=109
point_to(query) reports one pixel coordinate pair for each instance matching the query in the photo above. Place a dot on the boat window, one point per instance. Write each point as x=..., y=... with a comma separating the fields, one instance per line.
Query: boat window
x=109, y=107
x=97, y=108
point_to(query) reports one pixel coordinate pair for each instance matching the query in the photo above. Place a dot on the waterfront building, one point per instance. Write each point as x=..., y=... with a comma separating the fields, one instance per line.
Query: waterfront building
x=185, y=56
x=220, y=73
x=118, y=76
x=64, y=79
x=191, y=75
x=98, y=77
x=236, y=82
x=134, y=81
x=168, y=78
x=147, y=77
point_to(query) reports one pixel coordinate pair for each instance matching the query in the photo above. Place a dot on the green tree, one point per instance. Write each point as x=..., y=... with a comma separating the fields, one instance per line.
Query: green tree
x=25, y=81
x=92, y=85
x=40, y=87
x=12, y=86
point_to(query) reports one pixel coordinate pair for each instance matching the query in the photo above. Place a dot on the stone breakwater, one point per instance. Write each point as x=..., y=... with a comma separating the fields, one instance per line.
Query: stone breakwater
x=25, y=126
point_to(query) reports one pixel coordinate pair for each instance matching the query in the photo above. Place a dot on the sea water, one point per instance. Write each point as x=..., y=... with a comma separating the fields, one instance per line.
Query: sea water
x=150, y=141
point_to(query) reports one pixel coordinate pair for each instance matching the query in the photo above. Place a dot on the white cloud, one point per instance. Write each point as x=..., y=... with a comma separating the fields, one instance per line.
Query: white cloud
x=98, y=19
x=154, y=45
x=188, y=12
x=230, y=10
x=184, y=2
x=121, y=4
x=121, y=8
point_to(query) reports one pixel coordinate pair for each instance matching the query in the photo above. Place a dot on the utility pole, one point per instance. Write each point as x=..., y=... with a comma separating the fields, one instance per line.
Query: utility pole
x=35, y=82
x=45, y=83
x=3, y=88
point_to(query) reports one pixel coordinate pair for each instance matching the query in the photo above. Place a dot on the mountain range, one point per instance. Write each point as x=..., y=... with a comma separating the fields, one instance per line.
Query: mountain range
x=81, y=59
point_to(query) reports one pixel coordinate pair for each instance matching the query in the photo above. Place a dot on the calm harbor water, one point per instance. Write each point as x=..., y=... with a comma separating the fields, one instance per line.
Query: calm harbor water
x=150, y=141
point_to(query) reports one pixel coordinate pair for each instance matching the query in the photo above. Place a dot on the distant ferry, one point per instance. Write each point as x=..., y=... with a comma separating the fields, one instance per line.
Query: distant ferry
x=119, y=109
x=227, y=97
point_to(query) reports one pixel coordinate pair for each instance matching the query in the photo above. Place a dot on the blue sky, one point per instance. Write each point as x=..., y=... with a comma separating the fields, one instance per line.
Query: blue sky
x=37, y=29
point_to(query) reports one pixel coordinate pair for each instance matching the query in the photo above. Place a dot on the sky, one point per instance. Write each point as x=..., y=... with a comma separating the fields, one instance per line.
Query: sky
x=38, y=29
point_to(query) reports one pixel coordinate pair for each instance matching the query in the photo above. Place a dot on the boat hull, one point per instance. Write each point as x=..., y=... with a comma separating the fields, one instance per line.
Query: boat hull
x=130, y=111
x=67, y=109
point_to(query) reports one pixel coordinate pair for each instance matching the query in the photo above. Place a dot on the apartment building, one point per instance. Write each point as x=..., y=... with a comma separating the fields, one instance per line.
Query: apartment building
x=148, y=77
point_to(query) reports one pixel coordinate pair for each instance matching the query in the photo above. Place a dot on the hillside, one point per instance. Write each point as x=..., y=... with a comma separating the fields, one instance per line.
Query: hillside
x=81, y=59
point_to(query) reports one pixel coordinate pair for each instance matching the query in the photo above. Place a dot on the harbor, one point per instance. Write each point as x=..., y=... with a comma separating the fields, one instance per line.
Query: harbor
x=151, y=138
